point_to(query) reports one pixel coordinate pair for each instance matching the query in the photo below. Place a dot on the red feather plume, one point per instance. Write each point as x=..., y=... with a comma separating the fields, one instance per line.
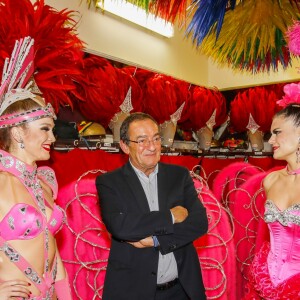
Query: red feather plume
x=141, y=75
x=161, y=97
x=203, y=103
x=103, y=89
x=260, y=102
x=183, y=92
x=58, y=50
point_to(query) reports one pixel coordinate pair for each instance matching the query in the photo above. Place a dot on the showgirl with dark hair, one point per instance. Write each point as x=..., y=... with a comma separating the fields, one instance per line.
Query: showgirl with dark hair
x=275, y=270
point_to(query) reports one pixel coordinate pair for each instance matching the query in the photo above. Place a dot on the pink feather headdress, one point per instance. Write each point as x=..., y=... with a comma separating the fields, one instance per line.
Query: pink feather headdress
x=292, y=94
x=293, y=35
x=292, y=90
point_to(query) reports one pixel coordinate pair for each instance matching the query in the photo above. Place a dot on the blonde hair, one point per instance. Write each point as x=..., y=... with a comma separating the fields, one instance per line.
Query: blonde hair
x=17, y=107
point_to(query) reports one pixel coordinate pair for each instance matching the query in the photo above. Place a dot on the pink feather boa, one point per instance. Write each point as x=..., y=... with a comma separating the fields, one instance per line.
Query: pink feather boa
x=293, y=35
x=292, y=94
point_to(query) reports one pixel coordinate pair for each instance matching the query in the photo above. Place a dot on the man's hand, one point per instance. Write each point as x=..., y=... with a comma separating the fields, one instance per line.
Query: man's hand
x=179, y=213
x=144, y=243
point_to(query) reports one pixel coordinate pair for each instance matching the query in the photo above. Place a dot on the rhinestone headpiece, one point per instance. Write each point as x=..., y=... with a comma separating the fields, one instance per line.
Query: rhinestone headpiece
x=252, y=125
x=27, y=116
x=177, y=114
x=16, y=86
x=212, y=120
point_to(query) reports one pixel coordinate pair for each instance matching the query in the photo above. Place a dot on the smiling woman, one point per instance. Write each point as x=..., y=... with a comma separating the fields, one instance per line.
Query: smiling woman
x=30, y=265
x=26, y=123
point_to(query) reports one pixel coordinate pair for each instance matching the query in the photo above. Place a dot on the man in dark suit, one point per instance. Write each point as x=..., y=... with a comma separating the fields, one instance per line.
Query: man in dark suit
x=153, y=214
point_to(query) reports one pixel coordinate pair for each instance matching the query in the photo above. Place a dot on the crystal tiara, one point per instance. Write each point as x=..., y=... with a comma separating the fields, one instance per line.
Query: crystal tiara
x=27, y=116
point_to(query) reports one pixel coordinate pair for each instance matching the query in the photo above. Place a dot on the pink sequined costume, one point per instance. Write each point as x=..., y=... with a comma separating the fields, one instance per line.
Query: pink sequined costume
x=24, y=221
x=275, y=271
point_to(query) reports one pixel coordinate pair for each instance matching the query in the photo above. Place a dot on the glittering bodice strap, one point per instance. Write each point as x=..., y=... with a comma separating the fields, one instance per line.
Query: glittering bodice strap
x=44, y=284
x=28, y=175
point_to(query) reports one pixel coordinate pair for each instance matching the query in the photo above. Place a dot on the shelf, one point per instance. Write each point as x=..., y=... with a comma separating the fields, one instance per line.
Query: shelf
x=181, y=148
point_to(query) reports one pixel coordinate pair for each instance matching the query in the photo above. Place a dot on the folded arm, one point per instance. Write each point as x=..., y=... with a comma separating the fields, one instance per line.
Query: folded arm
x=127, y=222
x=189, y=226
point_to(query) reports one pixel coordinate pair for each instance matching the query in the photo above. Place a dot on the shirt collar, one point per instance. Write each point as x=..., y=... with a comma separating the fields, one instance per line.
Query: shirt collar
x=142, y=174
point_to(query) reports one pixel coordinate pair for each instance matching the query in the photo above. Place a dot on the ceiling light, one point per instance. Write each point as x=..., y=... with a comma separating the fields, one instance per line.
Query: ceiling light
x=138, y=16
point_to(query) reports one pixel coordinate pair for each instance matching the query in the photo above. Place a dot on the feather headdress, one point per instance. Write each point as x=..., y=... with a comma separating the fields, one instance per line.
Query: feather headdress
x=103, y=88
x=251, y=105
x=163, y=96
x=15, y=87
x=170, y=10
x=207, y=15
x=292, y=94
x=57, y=52
x=16, y=72
x=207, y=107
x=293, y=36
x=252, y=36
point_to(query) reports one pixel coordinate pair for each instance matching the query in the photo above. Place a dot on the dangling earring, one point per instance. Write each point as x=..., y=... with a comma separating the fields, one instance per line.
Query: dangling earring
x=22, y=146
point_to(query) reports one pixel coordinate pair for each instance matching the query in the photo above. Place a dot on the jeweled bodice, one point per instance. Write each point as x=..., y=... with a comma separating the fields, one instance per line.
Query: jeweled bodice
x=284, y=226
x=27, y=221
x=289, y=215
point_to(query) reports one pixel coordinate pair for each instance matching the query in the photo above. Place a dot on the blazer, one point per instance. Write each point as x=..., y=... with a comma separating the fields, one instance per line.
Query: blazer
x=131, y=272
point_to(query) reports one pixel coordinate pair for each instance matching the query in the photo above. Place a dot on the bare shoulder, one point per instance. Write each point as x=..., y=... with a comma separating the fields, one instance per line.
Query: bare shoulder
x=271, y=178
x=3, y=184
x=3, y=176
x=5, y=180
x=8, y=183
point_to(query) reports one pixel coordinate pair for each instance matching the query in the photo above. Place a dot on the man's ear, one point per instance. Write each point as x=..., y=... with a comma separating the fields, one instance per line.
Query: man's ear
x=124, y=147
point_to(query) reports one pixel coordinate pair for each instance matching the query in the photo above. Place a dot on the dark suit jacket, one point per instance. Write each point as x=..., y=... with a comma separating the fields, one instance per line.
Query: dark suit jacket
x=131, y=272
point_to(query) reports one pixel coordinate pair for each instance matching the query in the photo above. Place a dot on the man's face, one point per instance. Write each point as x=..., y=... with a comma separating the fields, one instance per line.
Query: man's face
x=143, y=156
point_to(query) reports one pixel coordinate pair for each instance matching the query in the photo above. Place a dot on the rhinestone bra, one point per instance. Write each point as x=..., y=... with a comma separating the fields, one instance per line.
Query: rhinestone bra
x=273, y=214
